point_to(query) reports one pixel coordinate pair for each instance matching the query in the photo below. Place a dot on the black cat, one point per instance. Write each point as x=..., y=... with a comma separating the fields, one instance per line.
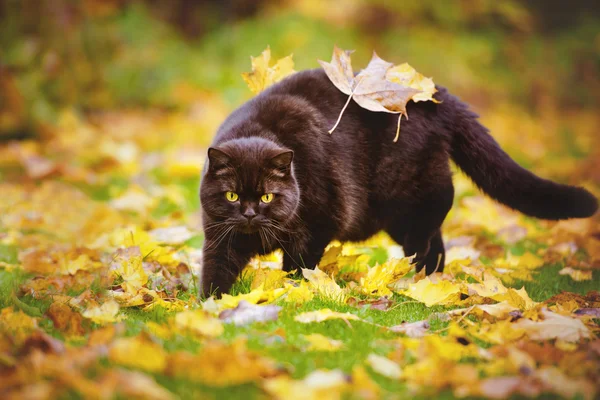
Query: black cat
x=276, y=179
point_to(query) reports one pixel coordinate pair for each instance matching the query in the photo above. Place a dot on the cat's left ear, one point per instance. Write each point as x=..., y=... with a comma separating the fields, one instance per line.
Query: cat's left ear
x=282, y=161
x=217, y=159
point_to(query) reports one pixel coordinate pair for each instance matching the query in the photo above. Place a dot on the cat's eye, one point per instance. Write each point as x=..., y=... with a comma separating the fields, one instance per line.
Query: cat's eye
x=267, y=198
x=231, y=196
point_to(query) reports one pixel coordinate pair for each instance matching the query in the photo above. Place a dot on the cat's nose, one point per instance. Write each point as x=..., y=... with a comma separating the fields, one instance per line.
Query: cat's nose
x=249, y=213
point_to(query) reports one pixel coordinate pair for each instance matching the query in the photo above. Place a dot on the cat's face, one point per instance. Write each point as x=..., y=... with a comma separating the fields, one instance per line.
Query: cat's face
x=249, y=186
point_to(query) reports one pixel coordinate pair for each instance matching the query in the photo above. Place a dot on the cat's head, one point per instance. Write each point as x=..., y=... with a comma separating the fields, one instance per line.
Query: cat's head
x=249, y=184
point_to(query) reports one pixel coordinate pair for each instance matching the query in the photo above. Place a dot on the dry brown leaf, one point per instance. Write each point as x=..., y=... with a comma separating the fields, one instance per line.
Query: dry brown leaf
x=380, y=87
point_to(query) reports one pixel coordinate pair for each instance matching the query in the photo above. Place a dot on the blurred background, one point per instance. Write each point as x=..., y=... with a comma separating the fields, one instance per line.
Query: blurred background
x=114, y=94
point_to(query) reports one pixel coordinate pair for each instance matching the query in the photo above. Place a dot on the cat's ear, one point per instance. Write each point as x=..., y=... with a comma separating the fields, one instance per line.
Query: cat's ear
x=282, y=161
x=217, y=159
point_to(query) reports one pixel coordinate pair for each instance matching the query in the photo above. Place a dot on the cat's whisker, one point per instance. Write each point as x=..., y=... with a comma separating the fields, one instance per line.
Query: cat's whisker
x=272, y=234
x=221, y=236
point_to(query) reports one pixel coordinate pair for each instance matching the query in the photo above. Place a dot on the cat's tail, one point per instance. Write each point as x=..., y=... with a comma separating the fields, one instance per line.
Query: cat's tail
x=482, y=159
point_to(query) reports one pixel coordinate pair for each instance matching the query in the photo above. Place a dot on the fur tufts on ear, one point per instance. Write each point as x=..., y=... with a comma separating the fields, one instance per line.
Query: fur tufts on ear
x=282, y=160
x=217, y=158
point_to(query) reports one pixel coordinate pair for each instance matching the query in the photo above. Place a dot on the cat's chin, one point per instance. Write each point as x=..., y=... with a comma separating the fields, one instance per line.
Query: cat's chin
x=248, y=229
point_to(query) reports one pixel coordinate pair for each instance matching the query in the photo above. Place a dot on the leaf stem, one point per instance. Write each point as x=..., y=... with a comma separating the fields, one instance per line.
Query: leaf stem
x=398, y=128
x=345, y=105
x=341, y=113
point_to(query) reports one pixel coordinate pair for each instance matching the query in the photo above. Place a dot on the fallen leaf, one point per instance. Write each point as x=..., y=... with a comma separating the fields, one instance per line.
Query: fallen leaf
x=103, y=314
x=319, y=384
x=221, y=364
x=135, y=384
x=246, y=313
x=199, y=322
x=576, y=274
x=65, y=319
x=425, y=291
x=171, y=235
x=554, y=326
x=382, y=303
x=138, y=352
x=128, y=266
x=377, y=279
x=324, y=315
x=384, y=366
x=411, y=329
x=318, y=342
x=262, y=75
x=588, y=312
x=324, y=284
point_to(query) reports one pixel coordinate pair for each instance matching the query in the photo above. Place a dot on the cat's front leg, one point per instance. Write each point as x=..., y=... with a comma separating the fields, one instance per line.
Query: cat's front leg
x=220, y=268
x=307, y=257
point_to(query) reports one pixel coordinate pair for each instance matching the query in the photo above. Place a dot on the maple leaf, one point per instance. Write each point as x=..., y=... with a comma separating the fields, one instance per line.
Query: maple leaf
x=246, y=313
x=430, y=293
x=411, y=329
x=262, y=75
x=380, y=276
x=16, y=324
x=576, y=274
x=318, y=342
x=324, y=315
x=554, y=326
x=298, y=294
x=324, y=284
x=199, y=322
x=319, y=384
x=384, y=366
x=379, y=87
x=104, y=313
x=220, y=364
x=138, y=352
x=129, y=267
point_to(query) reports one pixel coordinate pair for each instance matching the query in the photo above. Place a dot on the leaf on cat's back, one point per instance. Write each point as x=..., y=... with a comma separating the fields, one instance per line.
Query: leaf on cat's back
x=380, y=87
x=263, y=75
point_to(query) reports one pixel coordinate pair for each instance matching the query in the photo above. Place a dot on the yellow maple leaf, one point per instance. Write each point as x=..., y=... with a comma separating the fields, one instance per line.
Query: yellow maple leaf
x=268, y=278
x=138, y=352
x=104, y=313
x=258, y=295
x=430, y=293
x=493, y=288
x=576, y=274
x=221, y=364
x=554, y=326
x=129, y=268
x=16, y=324
x=298, y=294
x=324, y=284
x=384, y=366
x=319, y=384
x=406, y=75
x=262, y=75
x=381, y=275
x=318, y=342
x=498, y=332
x=199, y=322
x=324, y=314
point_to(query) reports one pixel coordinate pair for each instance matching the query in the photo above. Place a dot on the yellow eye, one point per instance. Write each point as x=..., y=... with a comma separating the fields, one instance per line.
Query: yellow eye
x=231, y=196
x=267, y=198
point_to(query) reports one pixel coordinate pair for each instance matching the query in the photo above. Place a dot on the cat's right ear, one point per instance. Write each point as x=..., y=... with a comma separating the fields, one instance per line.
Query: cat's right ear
x=217, y=159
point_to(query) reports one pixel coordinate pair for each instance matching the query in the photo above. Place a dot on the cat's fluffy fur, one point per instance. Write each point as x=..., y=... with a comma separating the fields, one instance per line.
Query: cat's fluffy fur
x=353, y=183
